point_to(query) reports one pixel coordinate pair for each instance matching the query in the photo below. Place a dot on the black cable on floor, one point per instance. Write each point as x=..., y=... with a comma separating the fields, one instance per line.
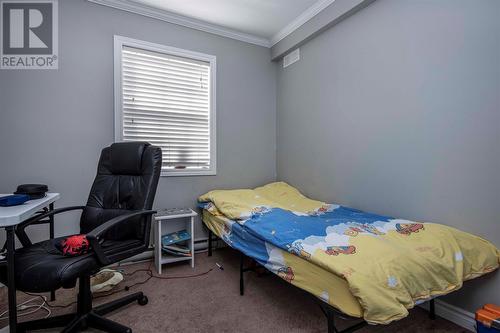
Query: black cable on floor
x=148, y=271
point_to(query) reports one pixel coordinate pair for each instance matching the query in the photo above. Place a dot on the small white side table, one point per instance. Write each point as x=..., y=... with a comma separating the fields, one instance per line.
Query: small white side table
x=164, y=258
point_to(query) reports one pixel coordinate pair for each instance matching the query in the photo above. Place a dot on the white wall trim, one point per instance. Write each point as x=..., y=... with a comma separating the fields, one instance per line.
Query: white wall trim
x=308, y=14
x=192, y=23
x=160, y=14
x=454, y=314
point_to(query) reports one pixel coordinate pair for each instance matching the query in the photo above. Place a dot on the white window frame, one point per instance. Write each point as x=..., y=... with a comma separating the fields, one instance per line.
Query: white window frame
x=119, y=42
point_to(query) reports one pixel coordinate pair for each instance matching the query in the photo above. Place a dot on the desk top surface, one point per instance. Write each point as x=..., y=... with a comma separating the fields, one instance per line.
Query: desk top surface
x=16, y=214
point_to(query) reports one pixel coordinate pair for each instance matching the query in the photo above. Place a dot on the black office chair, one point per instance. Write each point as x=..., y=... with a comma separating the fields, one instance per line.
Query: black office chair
x=116, y=222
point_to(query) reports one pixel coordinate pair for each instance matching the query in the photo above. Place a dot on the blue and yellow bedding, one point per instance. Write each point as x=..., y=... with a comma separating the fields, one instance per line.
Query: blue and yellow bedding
x=388, y=264
x=297, y=271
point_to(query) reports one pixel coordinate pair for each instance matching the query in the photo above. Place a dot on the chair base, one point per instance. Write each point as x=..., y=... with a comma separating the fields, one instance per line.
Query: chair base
x=86, y=316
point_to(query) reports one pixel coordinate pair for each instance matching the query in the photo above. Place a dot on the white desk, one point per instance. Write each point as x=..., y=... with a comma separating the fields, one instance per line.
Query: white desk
x=10, y=217
x=14, y=215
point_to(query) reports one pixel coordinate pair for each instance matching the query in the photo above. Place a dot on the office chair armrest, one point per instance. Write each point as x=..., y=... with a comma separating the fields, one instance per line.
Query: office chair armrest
x=37, y=218
x=21, y=233
x=94, y=235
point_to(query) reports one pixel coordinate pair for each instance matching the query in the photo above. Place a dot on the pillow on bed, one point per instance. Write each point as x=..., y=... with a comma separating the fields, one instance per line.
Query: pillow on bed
x=289, y=198
x=236, y=204
x=243, y=204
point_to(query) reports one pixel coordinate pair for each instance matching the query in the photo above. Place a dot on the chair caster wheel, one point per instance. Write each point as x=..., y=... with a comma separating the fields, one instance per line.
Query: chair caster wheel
x=143, y=300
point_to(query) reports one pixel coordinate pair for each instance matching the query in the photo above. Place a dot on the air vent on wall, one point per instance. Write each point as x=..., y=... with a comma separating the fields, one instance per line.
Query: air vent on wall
x=291, y=57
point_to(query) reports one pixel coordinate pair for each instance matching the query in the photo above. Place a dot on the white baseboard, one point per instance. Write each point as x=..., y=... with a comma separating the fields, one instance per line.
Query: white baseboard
x=454, y=314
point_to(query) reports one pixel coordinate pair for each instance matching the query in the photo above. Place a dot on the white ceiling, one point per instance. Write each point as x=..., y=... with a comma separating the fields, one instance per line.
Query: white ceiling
x=261, y=18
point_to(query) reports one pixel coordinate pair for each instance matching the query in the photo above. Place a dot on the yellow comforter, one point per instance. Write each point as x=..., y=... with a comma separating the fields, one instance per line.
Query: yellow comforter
x=389, y=264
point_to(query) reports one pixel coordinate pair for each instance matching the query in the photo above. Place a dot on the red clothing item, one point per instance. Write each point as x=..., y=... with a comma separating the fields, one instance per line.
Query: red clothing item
x=75, y=245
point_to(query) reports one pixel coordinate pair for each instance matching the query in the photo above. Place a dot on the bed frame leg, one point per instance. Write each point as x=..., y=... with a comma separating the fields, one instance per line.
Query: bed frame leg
x=209, y=242
x=330, y=317
x=432, y=309
x=329, y=312
x=242, y=283
x=331, y=323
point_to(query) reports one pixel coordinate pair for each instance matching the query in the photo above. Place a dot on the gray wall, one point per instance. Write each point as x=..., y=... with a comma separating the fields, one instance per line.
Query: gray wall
x=57, y=121
x=396, y=110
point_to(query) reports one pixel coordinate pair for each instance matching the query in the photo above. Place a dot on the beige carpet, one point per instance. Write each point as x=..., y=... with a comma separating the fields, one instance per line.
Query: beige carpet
x=211, y=303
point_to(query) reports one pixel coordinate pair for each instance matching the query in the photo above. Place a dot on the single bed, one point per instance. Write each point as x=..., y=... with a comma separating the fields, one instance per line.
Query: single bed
x=362, y=264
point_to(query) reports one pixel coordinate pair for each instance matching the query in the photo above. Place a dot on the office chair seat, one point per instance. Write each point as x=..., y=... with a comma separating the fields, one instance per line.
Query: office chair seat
x=42, y=267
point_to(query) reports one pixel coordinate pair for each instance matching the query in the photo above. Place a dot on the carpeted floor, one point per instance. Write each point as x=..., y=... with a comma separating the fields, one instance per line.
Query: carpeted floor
x=211, y=303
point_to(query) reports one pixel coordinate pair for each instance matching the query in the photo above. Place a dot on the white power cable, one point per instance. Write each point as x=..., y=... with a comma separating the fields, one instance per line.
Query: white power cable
x=24, y=306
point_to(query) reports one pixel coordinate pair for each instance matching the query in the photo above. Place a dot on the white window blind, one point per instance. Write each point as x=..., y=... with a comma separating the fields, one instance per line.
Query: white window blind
x=166, y=100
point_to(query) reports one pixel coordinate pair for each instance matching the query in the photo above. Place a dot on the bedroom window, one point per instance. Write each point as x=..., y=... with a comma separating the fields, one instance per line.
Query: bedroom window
x=166, y=96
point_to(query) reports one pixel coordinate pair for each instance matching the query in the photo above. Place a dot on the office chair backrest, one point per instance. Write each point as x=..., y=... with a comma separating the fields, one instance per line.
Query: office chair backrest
x=126, y=180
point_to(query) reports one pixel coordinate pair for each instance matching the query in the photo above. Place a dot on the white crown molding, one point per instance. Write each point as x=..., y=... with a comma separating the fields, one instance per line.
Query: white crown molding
x=164, y=15
x=160, y=14
x=454, y=314
x=308, y=14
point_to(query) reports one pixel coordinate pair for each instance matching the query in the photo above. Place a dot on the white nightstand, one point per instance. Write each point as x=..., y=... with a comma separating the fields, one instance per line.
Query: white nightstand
x=163, y=258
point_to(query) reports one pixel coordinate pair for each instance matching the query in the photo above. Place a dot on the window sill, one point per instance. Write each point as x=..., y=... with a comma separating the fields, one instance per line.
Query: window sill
x=188, y=173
